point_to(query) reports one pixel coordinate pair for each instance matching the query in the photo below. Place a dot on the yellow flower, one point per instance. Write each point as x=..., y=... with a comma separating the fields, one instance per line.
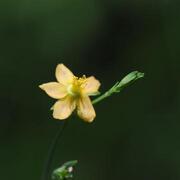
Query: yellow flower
x=72, y=93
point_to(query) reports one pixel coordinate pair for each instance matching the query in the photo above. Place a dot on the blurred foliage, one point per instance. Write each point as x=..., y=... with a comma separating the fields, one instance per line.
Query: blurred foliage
x=65, y=171
x=136, y=134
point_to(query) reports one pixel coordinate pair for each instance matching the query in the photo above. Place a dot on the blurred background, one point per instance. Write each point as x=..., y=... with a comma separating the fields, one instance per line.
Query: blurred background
x=136, y=133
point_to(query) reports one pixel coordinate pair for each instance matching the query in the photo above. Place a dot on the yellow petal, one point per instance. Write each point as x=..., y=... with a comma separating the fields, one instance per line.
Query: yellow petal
x=85, y=109
x=63, y=108
x=54, y=90
x=63, y=74
x=91, y=85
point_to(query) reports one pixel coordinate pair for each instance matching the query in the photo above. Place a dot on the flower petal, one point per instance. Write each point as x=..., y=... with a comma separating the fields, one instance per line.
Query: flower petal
x=85, y=109
x=63, y=108
x=91, y=85
x=54, y=90
x=63, y=74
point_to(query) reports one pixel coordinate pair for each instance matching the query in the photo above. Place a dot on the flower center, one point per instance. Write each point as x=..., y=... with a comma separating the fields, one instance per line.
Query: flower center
x=75, y=89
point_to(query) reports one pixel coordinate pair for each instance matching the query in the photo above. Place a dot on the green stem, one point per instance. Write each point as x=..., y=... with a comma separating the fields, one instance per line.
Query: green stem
x=102, y=97
x=46, y=171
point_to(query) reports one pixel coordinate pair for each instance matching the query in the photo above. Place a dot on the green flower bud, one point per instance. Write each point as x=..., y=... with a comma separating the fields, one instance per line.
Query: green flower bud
x=130, y=78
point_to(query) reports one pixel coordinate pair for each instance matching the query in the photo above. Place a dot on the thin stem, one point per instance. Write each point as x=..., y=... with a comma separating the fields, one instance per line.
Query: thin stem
x=100, y=98
x=120, y=85
x=46, y=171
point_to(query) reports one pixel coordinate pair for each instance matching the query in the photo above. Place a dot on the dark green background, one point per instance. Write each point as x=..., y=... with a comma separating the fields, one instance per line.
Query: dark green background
x=136, y=134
